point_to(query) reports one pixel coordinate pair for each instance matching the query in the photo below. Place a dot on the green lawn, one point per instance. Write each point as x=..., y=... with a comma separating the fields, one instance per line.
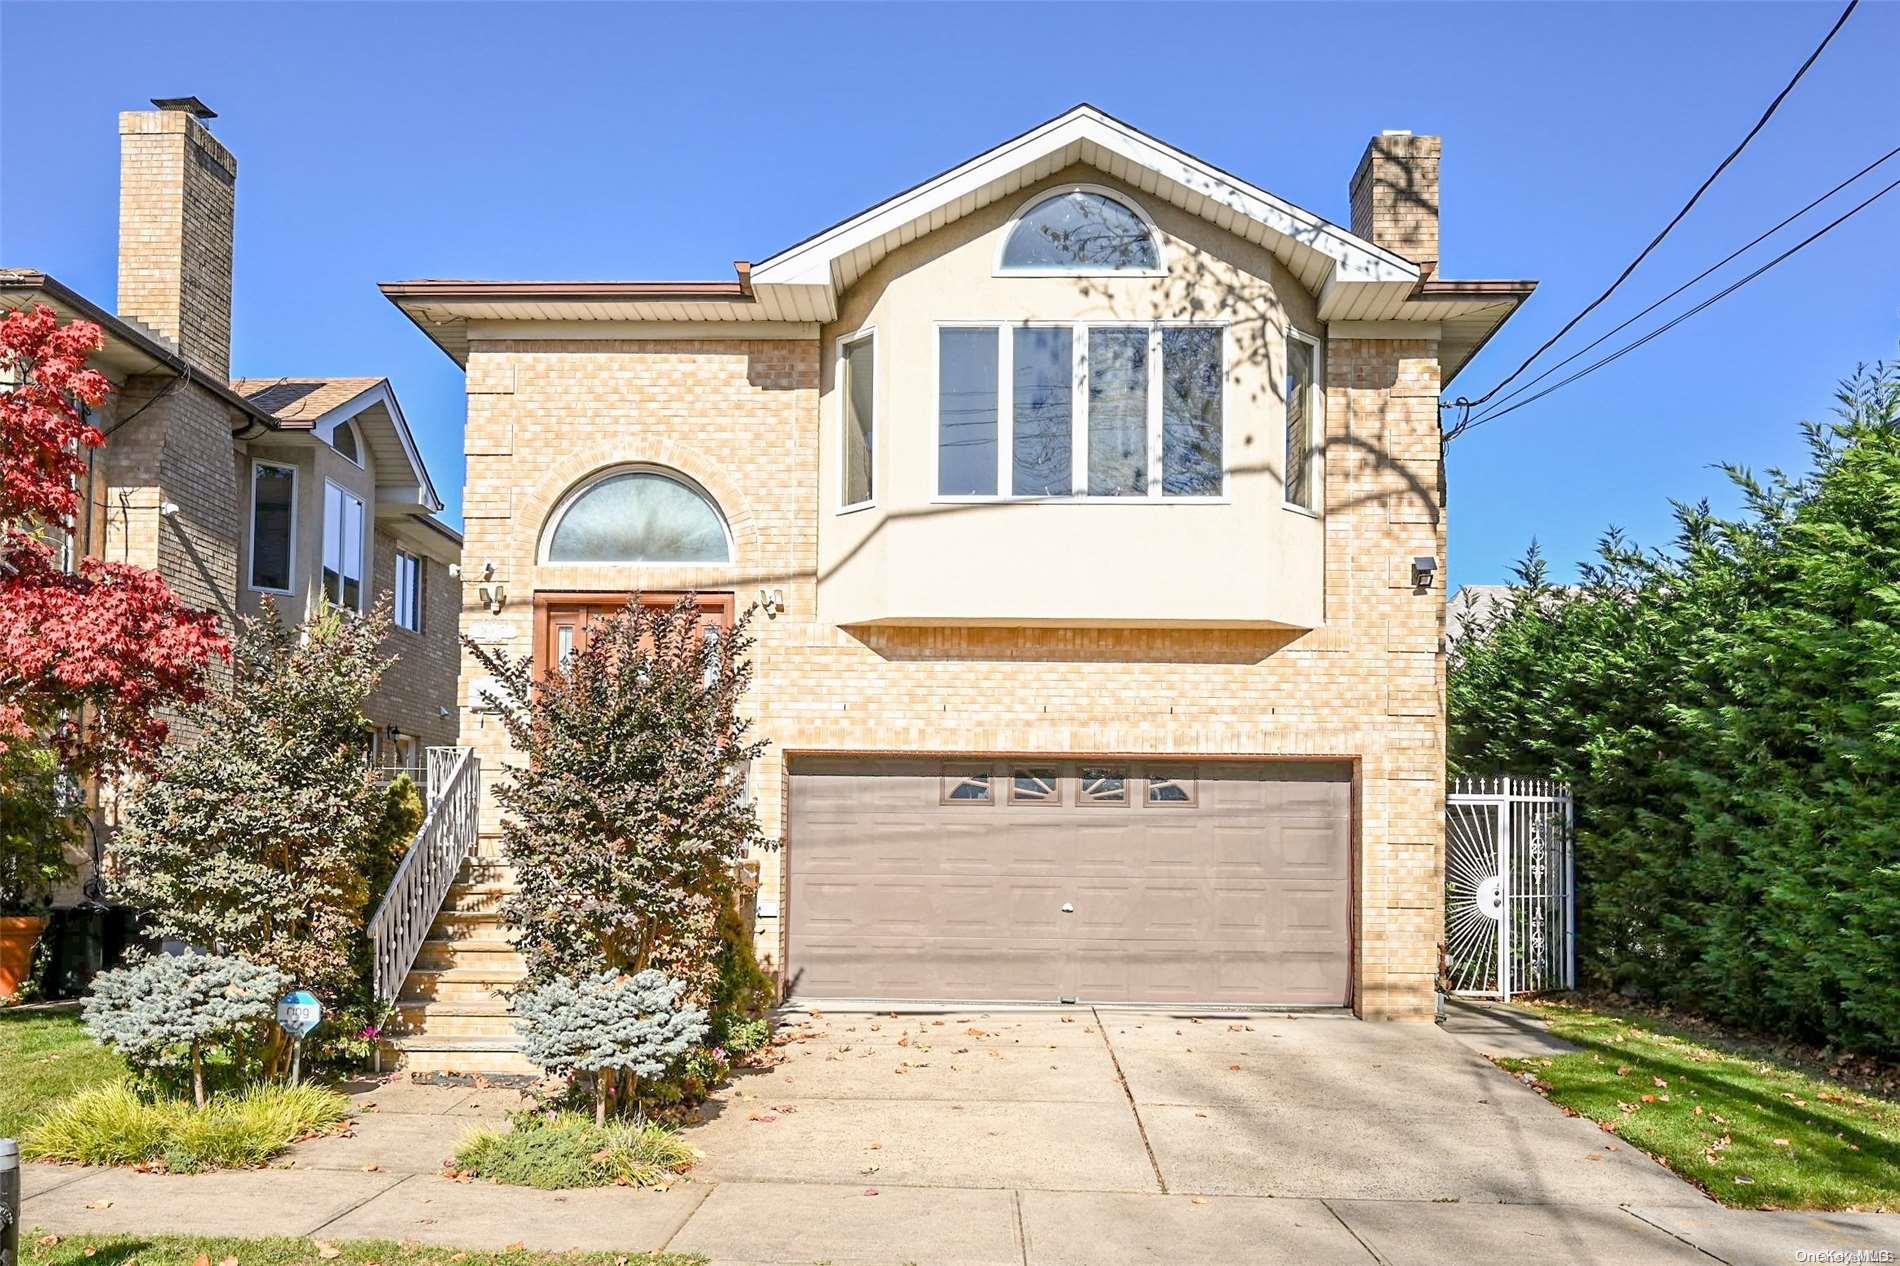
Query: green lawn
x=184, y=1250
x=1754, y=1132
x=45, y=1056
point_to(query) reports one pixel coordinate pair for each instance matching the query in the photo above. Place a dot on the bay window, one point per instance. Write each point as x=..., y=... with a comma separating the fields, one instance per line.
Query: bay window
x=342, y=548
x=1302, y=416
x=858, y=367
x=1036, y=410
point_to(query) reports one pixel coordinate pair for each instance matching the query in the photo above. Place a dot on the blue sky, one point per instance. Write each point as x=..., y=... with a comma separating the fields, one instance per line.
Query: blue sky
x=643, y=141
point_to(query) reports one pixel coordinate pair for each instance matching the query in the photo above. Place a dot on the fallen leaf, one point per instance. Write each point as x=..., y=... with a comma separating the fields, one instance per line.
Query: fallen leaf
x=1622, y=1070
x=370, y=1169
x=47, y=1241
x=203, y=1259
x=1199, y=1200
x=1659, y=1081
x=1595, y=1156
x=1783, y=1143
x=1745, y=1180
x=99, y=1204
x=329, y=1252
x=1649, y=1098
x=229, y=1261
x=870, y=1191
x=1233, y=1068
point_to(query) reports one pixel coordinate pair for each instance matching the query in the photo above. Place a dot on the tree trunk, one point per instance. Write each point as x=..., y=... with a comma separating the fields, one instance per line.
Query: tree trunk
x=600, y=1097
x=198, y=1075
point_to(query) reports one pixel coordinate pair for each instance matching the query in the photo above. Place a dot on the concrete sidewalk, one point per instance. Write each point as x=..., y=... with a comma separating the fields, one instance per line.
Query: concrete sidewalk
x=1052, y=1138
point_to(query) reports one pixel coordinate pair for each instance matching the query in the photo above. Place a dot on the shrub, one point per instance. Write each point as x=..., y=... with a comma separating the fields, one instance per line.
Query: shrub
x=746, y=1036
x=115, y=1125
x=634, y=744
x=1729, y=711
x=154, y=1011
x=568, y=1150
x=261, y=835
x=39, y=824
x=607, y=1026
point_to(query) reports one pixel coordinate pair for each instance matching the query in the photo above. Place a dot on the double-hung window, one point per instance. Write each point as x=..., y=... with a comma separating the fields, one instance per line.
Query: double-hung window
x=342, y=548
x=408, y=591
x=273, y=526
x=1040, y=410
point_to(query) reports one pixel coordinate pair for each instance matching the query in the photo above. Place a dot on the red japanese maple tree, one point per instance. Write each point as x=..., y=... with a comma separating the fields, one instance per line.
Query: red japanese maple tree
x=88, y=657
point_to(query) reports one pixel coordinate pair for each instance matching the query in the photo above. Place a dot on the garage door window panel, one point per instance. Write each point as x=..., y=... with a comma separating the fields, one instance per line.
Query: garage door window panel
x=1171, y=789
x=1102, y=785
x=1035, y=785
x=968, y=787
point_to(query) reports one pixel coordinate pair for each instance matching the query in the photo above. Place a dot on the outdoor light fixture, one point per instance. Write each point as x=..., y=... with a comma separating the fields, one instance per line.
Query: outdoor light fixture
x=1423, y=568
x=773, y=602
x=496, y=596
x=168, y=509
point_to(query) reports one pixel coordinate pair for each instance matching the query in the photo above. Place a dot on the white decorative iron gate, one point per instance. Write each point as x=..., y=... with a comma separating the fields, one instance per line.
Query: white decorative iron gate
x=1510, y=887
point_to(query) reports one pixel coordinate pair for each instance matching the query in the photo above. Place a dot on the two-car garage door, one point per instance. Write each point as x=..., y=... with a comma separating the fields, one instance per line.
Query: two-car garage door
x=1052, y=879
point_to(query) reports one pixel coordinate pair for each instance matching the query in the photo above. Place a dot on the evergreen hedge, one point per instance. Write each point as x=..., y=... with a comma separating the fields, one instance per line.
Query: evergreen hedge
x=1729, y=711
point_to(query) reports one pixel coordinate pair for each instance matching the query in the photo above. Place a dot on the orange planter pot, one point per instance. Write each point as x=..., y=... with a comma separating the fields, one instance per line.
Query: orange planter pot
x=18, y=936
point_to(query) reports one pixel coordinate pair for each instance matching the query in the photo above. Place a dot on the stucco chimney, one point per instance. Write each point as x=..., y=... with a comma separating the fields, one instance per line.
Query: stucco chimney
x=177, y=212
x=1395, y=196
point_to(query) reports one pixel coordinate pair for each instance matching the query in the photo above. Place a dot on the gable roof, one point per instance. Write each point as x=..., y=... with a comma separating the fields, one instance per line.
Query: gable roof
x=1353, y=279
x=320, y=405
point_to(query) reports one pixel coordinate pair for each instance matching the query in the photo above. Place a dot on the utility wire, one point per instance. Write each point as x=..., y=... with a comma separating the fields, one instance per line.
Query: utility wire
x=1468, y=421
x=1686, y=207
x=1719, y=295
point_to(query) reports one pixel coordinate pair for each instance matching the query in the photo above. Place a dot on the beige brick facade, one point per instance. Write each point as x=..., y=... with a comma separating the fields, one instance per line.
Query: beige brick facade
x=742, y=418
x=1395, y=195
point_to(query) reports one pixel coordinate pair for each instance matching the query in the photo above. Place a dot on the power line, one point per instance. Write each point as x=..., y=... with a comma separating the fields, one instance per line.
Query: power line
x=1468, y=421
x=1664, y=328
x=1686, y=207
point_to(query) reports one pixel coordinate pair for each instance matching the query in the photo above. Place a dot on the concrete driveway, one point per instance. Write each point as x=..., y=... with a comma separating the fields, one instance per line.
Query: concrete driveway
x=1317, y=1106
x=1037, y=1138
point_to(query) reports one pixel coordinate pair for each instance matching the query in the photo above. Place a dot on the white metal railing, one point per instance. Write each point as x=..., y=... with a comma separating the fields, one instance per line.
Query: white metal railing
x=1510, y=887
x=401, y=923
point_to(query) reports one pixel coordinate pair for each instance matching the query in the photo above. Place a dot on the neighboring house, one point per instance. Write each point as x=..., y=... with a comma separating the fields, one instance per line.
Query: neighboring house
x=1474, y=607
x=1086, y=486
x=233, y=490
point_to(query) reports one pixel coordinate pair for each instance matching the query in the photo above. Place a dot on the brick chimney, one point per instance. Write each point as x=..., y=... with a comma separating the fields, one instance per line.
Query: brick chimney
x=1395, y=196
x=177, y=211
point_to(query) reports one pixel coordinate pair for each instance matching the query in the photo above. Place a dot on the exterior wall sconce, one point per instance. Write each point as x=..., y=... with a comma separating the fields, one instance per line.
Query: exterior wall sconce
x=1423, y=569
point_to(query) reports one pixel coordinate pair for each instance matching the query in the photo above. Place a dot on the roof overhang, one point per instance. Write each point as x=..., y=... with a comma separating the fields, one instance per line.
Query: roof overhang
x=379, y=418
x=128, y=350
x=1354, y=279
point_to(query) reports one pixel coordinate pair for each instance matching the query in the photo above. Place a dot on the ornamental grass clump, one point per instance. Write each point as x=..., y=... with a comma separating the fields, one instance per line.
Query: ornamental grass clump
x=611, y=1027
x=554, y=1153
x=116, y=1125
x=162, y=1014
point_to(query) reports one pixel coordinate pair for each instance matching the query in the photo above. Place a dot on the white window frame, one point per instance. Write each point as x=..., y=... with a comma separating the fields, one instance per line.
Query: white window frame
x=1078, y=412
x=362, y=551
x=1316, y=430
x=1160, y=269
x=250, y=531
x=843, y=388
x=397, y=598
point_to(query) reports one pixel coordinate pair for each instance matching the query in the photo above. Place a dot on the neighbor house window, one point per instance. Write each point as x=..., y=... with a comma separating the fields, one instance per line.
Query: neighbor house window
x=342, y=548
x=966, y=412
x=344, y=441
x=1122, y=410
x=1080, y=230
x=273, y=526
x=408, y=591
x=640, y=516
x=1301, y=419
x=859, y=365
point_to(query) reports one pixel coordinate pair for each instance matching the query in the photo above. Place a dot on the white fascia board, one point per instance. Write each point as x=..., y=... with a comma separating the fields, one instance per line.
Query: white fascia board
x=809, y=262
x=381, y=393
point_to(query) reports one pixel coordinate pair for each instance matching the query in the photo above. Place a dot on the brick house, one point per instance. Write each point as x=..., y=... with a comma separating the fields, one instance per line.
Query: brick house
x=1094, y=497
x=238, y=489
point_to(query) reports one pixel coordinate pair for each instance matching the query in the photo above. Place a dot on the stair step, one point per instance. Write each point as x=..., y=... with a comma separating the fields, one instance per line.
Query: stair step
x=488, y=955
x=430, y=1023
x=458, y=1055
x=453, y=924
x=458, y=984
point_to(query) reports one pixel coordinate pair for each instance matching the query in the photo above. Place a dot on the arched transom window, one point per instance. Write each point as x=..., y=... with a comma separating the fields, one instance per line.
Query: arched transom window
x=1080, y=230
x=641, y=515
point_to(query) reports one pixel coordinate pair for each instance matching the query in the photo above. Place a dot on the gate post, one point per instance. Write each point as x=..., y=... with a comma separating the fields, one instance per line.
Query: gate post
x=1504, y=891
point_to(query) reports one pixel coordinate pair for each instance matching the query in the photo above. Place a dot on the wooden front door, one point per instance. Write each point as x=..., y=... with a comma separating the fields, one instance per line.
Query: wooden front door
x=561, y=620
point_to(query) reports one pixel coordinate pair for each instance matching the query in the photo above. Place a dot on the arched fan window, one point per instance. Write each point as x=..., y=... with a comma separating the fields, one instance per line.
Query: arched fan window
x=1081, y=230
x=641, y=515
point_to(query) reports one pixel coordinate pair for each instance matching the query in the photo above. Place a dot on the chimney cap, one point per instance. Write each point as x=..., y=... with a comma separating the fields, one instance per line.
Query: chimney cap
x=186, y=105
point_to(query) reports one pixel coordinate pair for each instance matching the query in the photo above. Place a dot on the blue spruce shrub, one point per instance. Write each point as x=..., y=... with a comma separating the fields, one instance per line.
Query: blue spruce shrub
x=606, y=1024
x=153, y=1010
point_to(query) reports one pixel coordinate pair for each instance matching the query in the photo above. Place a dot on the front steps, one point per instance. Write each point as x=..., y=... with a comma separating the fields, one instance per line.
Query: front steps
x=450, y=1016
